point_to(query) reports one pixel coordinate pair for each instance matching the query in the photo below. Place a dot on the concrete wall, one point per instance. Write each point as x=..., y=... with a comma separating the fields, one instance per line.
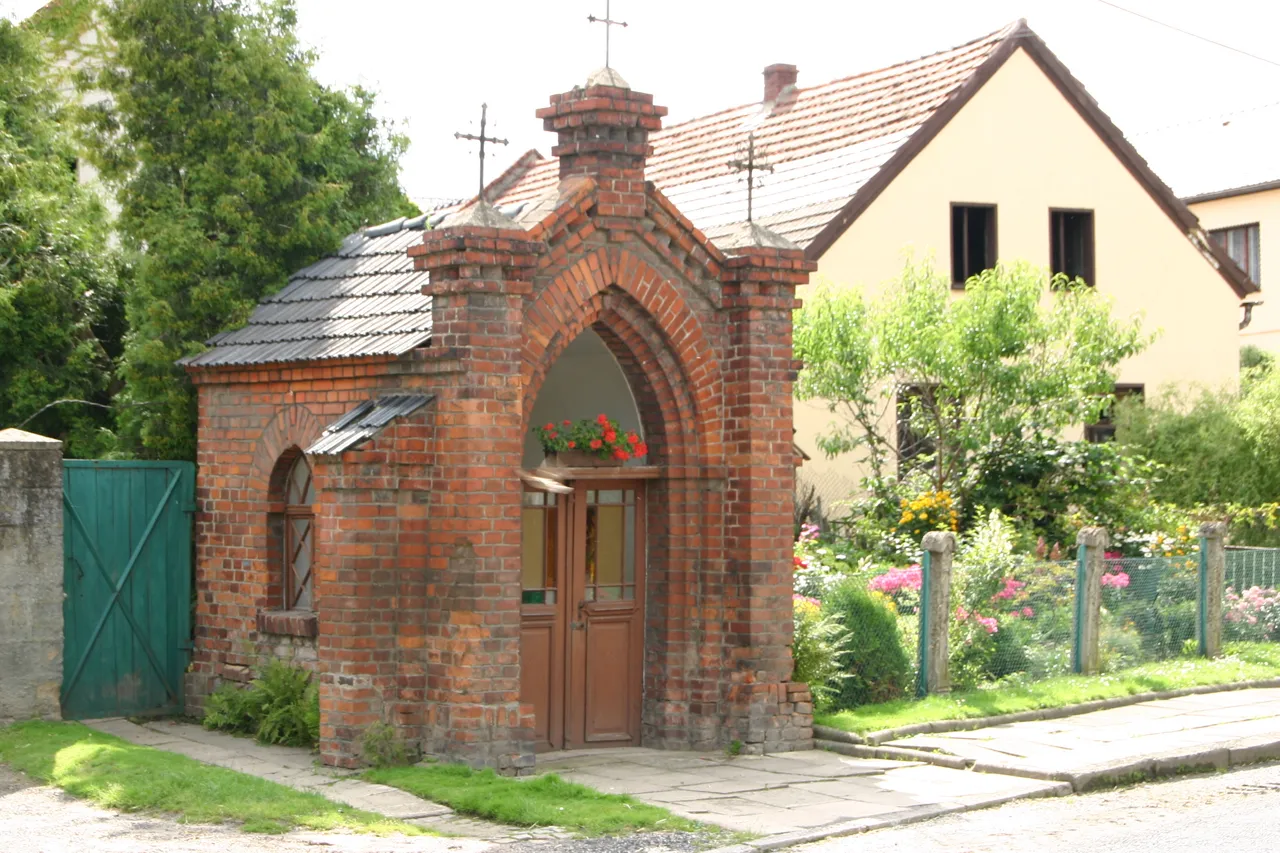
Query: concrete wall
x=1264, y=209
x=30, y=576
x=1018, y=144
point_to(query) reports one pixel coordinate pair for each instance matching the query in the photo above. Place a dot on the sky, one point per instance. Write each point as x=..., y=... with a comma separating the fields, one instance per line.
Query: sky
x=434, y=63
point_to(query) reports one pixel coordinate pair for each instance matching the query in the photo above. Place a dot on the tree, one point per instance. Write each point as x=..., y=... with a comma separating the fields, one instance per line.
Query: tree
x=234, y=167
x=59, y=301
x=963, y=376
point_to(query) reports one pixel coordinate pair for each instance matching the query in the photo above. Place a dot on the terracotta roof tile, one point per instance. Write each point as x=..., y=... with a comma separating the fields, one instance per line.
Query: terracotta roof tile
x=824, y=142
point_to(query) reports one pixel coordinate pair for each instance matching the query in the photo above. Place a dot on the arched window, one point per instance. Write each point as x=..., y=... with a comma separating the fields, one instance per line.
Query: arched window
x=299, y=536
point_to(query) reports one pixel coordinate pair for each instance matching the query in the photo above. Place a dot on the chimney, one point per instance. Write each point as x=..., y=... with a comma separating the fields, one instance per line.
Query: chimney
x=776, y=78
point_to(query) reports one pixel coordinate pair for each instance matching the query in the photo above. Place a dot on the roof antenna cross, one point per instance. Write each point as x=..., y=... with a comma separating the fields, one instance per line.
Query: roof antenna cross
x=750, y=165
x=609, y=23
x=482, y=139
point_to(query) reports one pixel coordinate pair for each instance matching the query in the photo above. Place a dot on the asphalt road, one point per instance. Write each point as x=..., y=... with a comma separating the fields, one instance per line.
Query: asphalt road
x=1228, y=812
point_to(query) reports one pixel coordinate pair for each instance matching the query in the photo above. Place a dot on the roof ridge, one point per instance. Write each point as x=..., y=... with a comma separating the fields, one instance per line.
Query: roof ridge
x=1008, y=30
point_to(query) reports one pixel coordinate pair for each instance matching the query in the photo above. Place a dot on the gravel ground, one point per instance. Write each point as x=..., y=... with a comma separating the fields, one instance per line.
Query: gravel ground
x=40, y=819
x=1227, y=811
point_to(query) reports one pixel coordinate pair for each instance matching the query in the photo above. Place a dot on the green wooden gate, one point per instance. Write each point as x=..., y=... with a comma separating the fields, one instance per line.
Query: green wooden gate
x=127, y=578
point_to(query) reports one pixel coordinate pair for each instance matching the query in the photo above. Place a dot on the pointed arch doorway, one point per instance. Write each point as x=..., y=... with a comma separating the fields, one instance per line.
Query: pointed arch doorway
x=583, y=565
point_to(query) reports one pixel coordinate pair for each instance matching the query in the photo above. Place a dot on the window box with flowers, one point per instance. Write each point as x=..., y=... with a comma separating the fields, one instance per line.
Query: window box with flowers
x=594, y=443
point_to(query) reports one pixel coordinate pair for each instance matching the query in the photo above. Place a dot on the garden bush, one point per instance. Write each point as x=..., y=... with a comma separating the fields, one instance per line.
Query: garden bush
x=282, y=706
x=820, y=641
x=875, y=665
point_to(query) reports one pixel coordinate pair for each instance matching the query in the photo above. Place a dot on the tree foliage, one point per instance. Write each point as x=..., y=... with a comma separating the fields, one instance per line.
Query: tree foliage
x=234, y=167
x=1006, y=362
x=1217, y=446
x=59, y=302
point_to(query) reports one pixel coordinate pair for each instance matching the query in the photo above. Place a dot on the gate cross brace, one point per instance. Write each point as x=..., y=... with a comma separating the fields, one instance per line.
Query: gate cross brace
x=118, y=586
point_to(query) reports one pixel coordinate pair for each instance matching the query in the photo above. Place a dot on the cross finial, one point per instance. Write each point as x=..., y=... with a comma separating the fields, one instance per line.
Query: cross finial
x=609, y=23
x=482, y=139
x=750, y=166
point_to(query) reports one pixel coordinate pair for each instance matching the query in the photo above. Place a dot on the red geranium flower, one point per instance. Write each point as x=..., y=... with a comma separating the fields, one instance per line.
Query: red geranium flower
x=602, y=419
x=566, y=422
x=633, y=438
x=641, y=449
x=572, y=444
x=621, y=454
x=549, y=426
x=596, y=444
x=610, y=436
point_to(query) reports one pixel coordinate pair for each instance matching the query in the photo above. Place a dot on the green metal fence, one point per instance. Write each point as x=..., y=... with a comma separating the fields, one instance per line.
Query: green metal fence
x=1251, y=602
x=1149, y=609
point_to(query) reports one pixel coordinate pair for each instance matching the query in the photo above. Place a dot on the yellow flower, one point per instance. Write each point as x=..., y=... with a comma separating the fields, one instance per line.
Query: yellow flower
x=907, y=516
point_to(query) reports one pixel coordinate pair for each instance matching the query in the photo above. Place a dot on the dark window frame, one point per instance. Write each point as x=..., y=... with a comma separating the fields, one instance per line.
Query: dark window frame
x=294, y=542
x=964, y=263
x=1104, y=428
x=1056, y=250
x=1254, y=275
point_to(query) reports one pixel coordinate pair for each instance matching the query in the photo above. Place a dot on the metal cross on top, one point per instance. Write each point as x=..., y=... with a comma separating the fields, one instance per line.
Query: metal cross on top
x=750, y=165
x=609, y=23
x=482, y=139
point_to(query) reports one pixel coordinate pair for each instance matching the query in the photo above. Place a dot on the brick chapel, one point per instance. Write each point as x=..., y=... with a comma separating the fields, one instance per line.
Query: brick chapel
x=374, y=507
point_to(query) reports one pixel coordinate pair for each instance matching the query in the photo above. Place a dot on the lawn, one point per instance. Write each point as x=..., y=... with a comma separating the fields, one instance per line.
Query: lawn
x=541, y=801
x=116, y=774
x=1241, y=662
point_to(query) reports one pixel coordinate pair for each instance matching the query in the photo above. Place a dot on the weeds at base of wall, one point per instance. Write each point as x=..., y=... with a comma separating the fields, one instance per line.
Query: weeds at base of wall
x=282, y=706
x=383, y=748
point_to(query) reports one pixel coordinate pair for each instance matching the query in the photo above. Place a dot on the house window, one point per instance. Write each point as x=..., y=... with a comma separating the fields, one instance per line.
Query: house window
x=299, y=539
x=1241, y=243
x=914, y=404
x=1071, y=244
x=973, y=241
x=1104, y=429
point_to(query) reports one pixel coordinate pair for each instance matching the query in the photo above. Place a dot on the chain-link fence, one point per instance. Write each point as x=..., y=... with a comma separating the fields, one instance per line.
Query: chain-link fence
x=1149, y=609
x=1251, y=603
x=1011, y=622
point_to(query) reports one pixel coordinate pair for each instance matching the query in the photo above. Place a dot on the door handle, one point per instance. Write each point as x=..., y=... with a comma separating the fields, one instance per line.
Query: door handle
x=577, y=626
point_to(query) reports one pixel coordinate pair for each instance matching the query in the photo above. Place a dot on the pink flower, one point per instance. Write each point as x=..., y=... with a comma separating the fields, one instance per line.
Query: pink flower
x=988, y=622
x=896, y=580
x=1028, y=612
x=1119, y=580
x=961, y=613
x=804, y=599
x=1011, y=588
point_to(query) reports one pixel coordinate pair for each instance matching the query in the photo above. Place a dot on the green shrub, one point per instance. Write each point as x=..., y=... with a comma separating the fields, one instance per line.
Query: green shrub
x=877, y=665
x=819, y=643
x=281, y=706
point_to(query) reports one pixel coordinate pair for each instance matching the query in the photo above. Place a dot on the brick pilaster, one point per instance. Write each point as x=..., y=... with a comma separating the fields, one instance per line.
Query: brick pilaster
x=765, y=712
x=480, y=278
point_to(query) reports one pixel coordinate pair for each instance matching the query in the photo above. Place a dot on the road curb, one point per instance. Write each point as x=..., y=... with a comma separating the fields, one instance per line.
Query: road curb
x=870, y=824
x=942, y=726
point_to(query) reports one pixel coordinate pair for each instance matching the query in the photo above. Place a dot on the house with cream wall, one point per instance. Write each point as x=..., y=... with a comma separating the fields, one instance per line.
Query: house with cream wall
x=984, y=153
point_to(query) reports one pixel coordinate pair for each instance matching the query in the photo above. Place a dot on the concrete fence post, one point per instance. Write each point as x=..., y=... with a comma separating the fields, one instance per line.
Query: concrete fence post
x=30, y=576
x=1213, y=579
x=935, y=612
x=1092, y=543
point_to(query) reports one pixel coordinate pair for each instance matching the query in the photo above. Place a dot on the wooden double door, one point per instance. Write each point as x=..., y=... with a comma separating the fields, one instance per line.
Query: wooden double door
x=582, y=613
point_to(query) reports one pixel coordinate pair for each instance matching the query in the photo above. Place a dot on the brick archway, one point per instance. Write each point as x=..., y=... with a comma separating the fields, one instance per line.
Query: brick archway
x=656, y=338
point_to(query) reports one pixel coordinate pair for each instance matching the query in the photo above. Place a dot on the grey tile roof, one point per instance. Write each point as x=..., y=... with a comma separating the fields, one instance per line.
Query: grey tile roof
x=364, y=300
x=365, y=420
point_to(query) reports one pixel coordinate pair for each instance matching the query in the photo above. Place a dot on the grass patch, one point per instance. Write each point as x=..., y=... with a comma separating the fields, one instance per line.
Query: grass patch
x=541, y=801
x=1240, y=662
x=117, y=774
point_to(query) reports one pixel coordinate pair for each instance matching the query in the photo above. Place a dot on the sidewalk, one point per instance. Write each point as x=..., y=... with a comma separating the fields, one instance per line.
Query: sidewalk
x=297, y=768
x=1157, y=738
